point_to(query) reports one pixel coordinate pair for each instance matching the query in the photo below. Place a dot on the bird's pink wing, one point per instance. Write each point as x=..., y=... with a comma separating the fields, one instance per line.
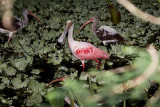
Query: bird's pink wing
x=90, y=52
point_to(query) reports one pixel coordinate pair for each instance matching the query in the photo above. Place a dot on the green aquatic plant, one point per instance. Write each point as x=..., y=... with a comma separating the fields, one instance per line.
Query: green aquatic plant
x=33, y=58
x=107, y=88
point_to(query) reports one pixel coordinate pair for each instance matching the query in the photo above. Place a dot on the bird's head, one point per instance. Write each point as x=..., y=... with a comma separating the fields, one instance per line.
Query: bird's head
x=93, y=19
x=68, y=25
x=27, y=12
x=61, y=39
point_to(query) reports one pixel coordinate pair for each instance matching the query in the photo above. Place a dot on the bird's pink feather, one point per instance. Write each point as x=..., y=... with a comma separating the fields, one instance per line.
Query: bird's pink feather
x=88, y=51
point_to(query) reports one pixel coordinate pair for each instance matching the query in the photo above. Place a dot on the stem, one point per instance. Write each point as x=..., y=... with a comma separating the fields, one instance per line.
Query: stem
x=90, y=85
x=153, y=99
x=71, y=98
x=124, y=103
x=144, y=76
x=109, y=2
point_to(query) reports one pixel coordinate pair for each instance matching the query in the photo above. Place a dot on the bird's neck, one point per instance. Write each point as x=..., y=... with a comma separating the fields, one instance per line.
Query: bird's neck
x=94, y=27
x=70, y=34
x=26, y=20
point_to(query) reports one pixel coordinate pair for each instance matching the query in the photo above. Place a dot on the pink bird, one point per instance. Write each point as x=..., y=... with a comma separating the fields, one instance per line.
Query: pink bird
x=105, y=33
x=81, y=50
x=17, y=24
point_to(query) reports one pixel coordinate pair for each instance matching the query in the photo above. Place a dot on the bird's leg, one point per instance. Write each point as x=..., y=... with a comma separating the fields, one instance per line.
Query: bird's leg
x=116, y=43
x=99, y=63
x=83, y=65
x=10, y=34
x=59, y=79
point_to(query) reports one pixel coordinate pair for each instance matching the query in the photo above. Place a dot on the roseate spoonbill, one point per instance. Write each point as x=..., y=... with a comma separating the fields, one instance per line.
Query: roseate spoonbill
x=105, y=33
x=81, y=50
x=16, y=24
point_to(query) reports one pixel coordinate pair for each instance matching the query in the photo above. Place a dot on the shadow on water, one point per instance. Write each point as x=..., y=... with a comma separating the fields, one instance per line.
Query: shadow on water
x=48, y=70
x=9, y=94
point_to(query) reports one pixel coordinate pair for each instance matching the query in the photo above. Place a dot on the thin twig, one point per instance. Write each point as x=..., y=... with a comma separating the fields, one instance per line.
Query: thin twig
x=69, y=102
x=154, y=98
x=144, y=76
x=139, y=13
x=109, y=2
x=122, y=69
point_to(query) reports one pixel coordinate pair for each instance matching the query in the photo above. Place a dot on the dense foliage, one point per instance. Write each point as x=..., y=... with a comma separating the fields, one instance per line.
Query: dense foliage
x=33, y=58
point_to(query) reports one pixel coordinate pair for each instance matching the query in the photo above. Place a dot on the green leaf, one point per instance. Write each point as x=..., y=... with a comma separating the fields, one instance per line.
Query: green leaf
x=81, y=94
x=20, y=64
x=5, y=80
x=10, y=71
x=35, y=86
x=56, y=97
x=35, y=71
x=17, y=82
x=33, y=99
x=29, y=59
x=55, y=58
x=2, y=86
x=2, y=67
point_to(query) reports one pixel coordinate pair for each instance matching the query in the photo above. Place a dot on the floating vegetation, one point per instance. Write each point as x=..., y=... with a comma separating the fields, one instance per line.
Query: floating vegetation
x=33, y=57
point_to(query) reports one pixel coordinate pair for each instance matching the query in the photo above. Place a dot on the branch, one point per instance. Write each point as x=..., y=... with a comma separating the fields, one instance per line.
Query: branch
x=144, y=76
x=139, y=13
x=154, y=98
x=122, y=69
